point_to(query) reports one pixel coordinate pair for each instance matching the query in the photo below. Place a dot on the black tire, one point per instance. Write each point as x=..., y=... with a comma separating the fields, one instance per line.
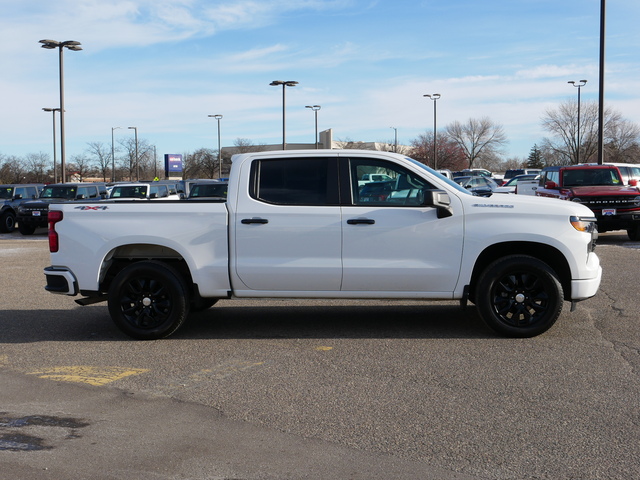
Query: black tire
x=519, y=296
x=26, y=229
x=7, y=222
x=634, y=233
x=148, y=300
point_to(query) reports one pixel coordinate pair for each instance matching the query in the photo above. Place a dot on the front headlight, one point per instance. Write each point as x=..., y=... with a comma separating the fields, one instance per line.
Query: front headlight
x=587, y=225
x=584, y=224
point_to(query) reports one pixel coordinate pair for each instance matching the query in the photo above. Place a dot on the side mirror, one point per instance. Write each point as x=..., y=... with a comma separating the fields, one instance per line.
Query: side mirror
x=153, y=195
x=18, y=197
x=633, y=182
x=80, y=196
x=182, y=196
x=550, y=184
x=439, y=199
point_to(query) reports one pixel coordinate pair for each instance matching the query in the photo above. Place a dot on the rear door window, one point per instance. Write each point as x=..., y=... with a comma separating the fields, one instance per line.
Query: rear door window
x=296, y=181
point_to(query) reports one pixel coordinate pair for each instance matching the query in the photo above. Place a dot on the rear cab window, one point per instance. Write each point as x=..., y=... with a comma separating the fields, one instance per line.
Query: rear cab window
x=295, y=181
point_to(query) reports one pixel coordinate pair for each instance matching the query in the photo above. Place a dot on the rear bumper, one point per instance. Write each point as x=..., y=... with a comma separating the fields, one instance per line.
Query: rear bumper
x=60, y=280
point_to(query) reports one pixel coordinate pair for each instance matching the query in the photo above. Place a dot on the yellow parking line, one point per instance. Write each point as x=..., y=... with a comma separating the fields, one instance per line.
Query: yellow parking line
x=85, y=374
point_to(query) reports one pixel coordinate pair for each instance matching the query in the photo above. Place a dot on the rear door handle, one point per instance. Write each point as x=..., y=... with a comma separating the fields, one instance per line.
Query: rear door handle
x=361, y=221
x=248, y=221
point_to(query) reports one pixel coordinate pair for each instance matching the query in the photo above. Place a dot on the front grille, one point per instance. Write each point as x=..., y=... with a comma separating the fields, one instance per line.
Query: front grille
x=610, y=202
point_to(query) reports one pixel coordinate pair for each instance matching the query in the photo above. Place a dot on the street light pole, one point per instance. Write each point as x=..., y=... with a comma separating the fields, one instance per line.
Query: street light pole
x=71, y=45
x=395, y=148
x=434, y=97
x=315, y=109
x=55, y=172
x=579, y=84
x=137, y=169
x=288, y=83
x=218, y=117
x=113, y=156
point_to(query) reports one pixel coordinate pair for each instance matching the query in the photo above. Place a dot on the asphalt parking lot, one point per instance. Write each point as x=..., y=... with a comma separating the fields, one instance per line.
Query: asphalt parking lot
x=320, y=390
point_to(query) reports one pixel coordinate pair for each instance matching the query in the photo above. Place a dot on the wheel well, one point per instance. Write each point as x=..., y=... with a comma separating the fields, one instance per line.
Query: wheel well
x=549, y=255
x=125, y=255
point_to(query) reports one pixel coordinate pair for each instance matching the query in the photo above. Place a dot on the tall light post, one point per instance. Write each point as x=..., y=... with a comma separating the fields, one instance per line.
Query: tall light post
x=113, y=156
x=285, y=84
x=395, y=147
x=137, y=169
x=75, y=46
x=218, y=117
x=434, y=97
x=315, y=109
x=55, y=171
x=579, y=84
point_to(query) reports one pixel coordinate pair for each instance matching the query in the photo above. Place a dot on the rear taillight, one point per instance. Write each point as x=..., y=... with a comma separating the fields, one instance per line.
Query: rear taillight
x=54, y=217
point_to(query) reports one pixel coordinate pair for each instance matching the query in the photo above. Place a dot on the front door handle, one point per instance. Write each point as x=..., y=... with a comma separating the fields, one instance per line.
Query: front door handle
x=248, y=221
x=361, y=221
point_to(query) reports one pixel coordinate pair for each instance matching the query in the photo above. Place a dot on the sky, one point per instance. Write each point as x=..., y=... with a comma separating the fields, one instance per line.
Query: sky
x=163, y=66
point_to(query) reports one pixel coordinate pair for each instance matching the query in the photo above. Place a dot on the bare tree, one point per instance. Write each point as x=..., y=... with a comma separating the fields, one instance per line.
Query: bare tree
x=479, y=139
x=244, y=145
x=622, y=140
x=209, y=164
x=100, y=154
x=81, y=167
x=13, y=170
x=449, y=155
x=621, y=137
x=37, y=167
x=142, y=166
x=562, y=123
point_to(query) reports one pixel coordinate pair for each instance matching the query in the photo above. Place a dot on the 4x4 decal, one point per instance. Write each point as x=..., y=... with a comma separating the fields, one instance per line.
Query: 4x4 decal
x=87, y=207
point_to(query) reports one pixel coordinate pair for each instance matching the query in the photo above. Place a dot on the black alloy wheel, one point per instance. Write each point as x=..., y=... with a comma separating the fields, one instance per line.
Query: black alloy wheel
x=519, y=296
x=148, y=300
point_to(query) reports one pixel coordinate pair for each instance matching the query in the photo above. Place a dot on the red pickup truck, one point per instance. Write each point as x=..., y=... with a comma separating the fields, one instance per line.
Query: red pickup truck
x=599, y=187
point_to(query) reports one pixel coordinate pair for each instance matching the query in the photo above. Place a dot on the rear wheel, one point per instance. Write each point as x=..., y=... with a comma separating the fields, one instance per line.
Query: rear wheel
x=519, y=296
x=7, y=222
x=148, y=300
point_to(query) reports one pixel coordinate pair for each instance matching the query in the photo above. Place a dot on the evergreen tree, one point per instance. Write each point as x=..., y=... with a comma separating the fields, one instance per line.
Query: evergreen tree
x=535, y=158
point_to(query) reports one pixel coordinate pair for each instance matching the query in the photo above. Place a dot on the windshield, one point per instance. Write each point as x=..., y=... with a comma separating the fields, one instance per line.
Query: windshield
x=209, y=190
x=449, y=182
x=129, y=191
x=590, y=177
x=6, y=193
x=67, y=192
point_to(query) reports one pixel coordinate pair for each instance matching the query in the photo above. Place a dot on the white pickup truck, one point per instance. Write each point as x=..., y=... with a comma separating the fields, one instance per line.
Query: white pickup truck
x=294, y=226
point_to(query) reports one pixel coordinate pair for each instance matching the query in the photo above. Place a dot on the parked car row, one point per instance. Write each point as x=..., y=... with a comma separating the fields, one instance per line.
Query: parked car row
x=26, y=206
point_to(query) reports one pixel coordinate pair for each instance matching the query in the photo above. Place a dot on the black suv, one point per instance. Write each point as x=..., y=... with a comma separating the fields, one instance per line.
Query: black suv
x=11, y=197
x=33, y=214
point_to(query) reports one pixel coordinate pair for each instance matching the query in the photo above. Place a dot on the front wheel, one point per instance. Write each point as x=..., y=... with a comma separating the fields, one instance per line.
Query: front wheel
x=26, y=229
x=148, y=300
x=633, y=233
x=519, y=296
x=7, y=222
